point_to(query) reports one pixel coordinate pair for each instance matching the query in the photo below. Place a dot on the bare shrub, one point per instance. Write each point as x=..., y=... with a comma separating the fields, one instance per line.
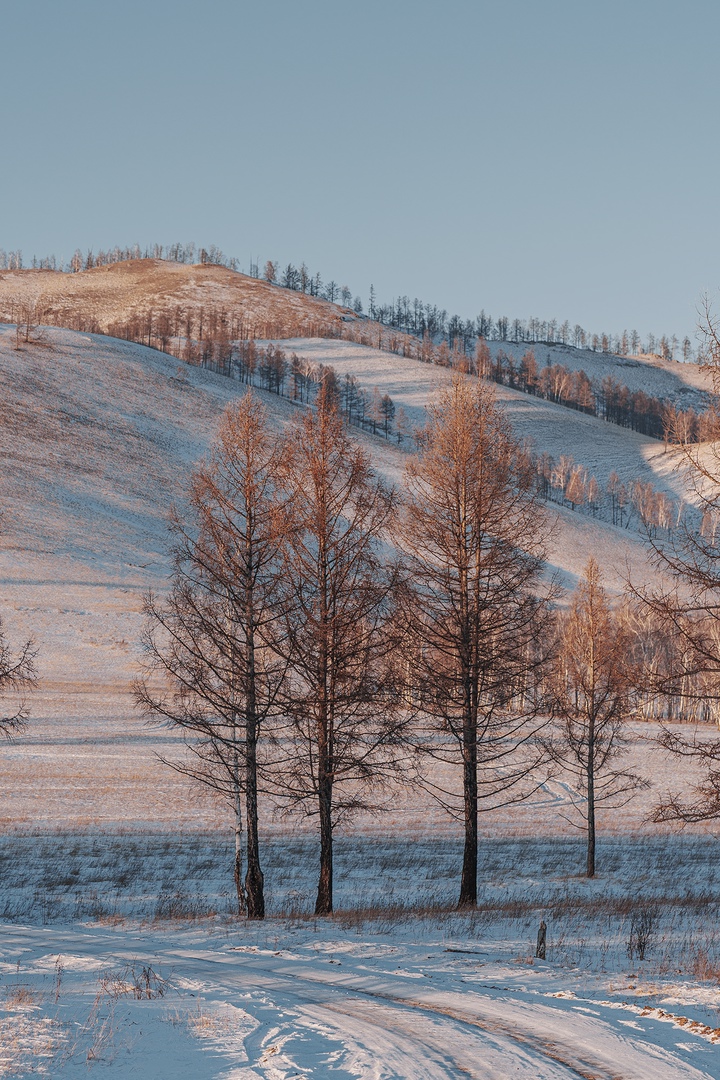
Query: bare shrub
x=144, y=983
x=643, y=925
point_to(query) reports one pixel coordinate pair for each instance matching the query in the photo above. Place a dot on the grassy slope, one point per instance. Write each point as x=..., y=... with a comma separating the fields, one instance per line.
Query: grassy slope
x=112, y=294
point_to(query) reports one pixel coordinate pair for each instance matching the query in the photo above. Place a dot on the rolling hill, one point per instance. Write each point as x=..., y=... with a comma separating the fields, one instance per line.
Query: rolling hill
x=99, y=437
x=108, y=296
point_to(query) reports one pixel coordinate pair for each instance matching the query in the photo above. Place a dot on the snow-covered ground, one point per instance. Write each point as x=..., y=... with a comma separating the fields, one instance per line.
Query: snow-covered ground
x=685, y=385
x=601, y=447
x=99, y=437
x=386, y=992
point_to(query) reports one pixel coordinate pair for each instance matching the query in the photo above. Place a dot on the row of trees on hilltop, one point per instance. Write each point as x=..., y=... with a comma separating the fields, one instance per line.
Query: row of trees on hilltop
x=407, y=316
x=418, y=318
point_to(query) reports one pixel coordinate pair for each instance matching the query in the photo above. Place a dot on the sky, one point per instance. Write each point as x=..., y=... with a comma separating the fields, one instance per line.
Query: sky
x=554, y=159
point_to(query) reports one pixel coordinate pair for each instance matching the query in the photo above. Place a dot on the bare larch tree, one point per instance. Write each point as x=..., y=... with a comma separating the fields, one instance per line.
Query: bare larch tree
x=475, y=612
x=593, y=697
x=210, y=645
x=341, y=696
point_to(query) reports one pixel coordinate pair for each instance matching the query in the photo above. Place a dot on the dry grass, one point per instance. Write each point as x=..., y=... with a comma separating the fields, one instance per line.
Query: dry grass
x=654, y=907
x=20, y=997
x=103, y=298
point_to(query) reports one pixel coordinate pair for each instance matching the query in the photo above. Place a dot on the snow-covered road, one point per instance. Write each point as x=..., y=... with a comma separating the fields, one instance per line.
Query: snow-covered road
x=317, y=1006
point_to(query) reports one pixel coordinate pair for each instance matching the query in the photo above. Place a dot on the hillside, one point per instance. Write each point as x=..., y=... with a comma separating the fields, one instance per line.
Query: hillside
x=685, y=385
x=551, y=428
x=109, y=296
x=99, y=437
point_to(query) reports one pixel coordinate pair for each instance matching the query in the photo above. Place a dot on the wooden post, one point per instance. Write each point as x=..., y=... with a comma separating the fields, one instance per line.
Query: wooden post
x=542, y=934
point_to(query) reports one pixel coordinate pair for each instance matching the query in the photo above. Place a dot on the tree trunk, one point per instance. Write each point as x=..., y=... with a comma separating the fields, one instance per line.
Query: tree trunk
x=254, y=881
x=238, y=852
x=468, y=881
x=591, y=802
x=324, y=903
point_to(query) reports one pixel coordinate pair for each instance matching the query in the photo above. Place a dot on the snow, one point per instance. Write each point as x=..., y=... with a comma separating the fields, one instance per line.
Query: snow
x=686, y=385
x=552, y=428
x=326, y=1003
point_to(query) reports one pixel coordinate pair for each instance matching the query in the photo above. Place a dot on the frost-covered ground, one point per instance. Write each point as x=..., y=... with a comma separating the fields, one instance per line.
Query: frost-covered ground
x=686, y=385
x=151, y=983
x=555, y=429
x=98, y=438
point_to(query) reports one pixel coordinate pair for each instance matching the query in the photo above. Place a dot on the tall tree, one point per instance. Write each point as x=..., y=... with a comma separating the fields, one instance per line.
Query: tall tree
x=212, y=641
x=475, y=613
x=593, y=698
x=342, y=700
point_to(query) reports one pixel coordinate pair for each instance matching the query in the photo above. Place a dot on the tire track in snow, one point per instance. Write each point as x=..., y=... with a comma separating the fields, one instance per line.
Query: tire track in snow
x=504, y=1045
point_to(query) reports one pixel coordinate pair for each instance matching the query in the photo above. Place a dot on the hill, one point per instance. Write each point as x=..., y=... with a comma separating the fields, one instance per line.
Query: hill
x=137, y=295
x=99, y=437
x=107, y=297
x=685, y=385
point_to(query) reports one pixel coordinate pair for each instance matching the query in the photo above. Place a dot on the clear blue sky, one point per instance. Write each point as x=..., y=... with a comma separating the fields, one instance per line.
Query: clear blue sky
x=556, y=158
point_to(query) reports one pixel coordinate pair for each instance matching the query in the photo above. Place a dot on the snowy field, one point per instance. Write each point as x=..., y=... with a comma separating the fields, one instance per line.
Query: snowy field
x=121, y=959
x=111, y=865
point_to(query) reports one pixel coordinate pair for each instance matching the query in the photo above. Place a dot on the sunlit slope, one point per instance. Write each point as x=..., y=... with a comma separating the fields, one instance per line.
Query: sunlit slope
x=110, y=295
x=600, y=446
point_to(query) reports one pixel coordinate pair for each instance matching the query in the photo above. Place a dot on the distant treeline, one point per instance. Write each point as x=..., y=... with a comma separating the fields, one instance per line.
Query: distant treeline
x=403, y=314
x=608, y=399
x=563, y=481
x=215, y=337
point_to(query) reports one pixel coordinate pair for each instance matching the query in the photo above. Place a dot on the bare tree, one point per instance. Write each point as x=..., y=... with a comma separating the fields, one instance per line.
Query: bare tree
x=474, y=611
x=342, y=697
x=211, y=641
x=18, y=676
x=593, y=698
x=30, y=312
